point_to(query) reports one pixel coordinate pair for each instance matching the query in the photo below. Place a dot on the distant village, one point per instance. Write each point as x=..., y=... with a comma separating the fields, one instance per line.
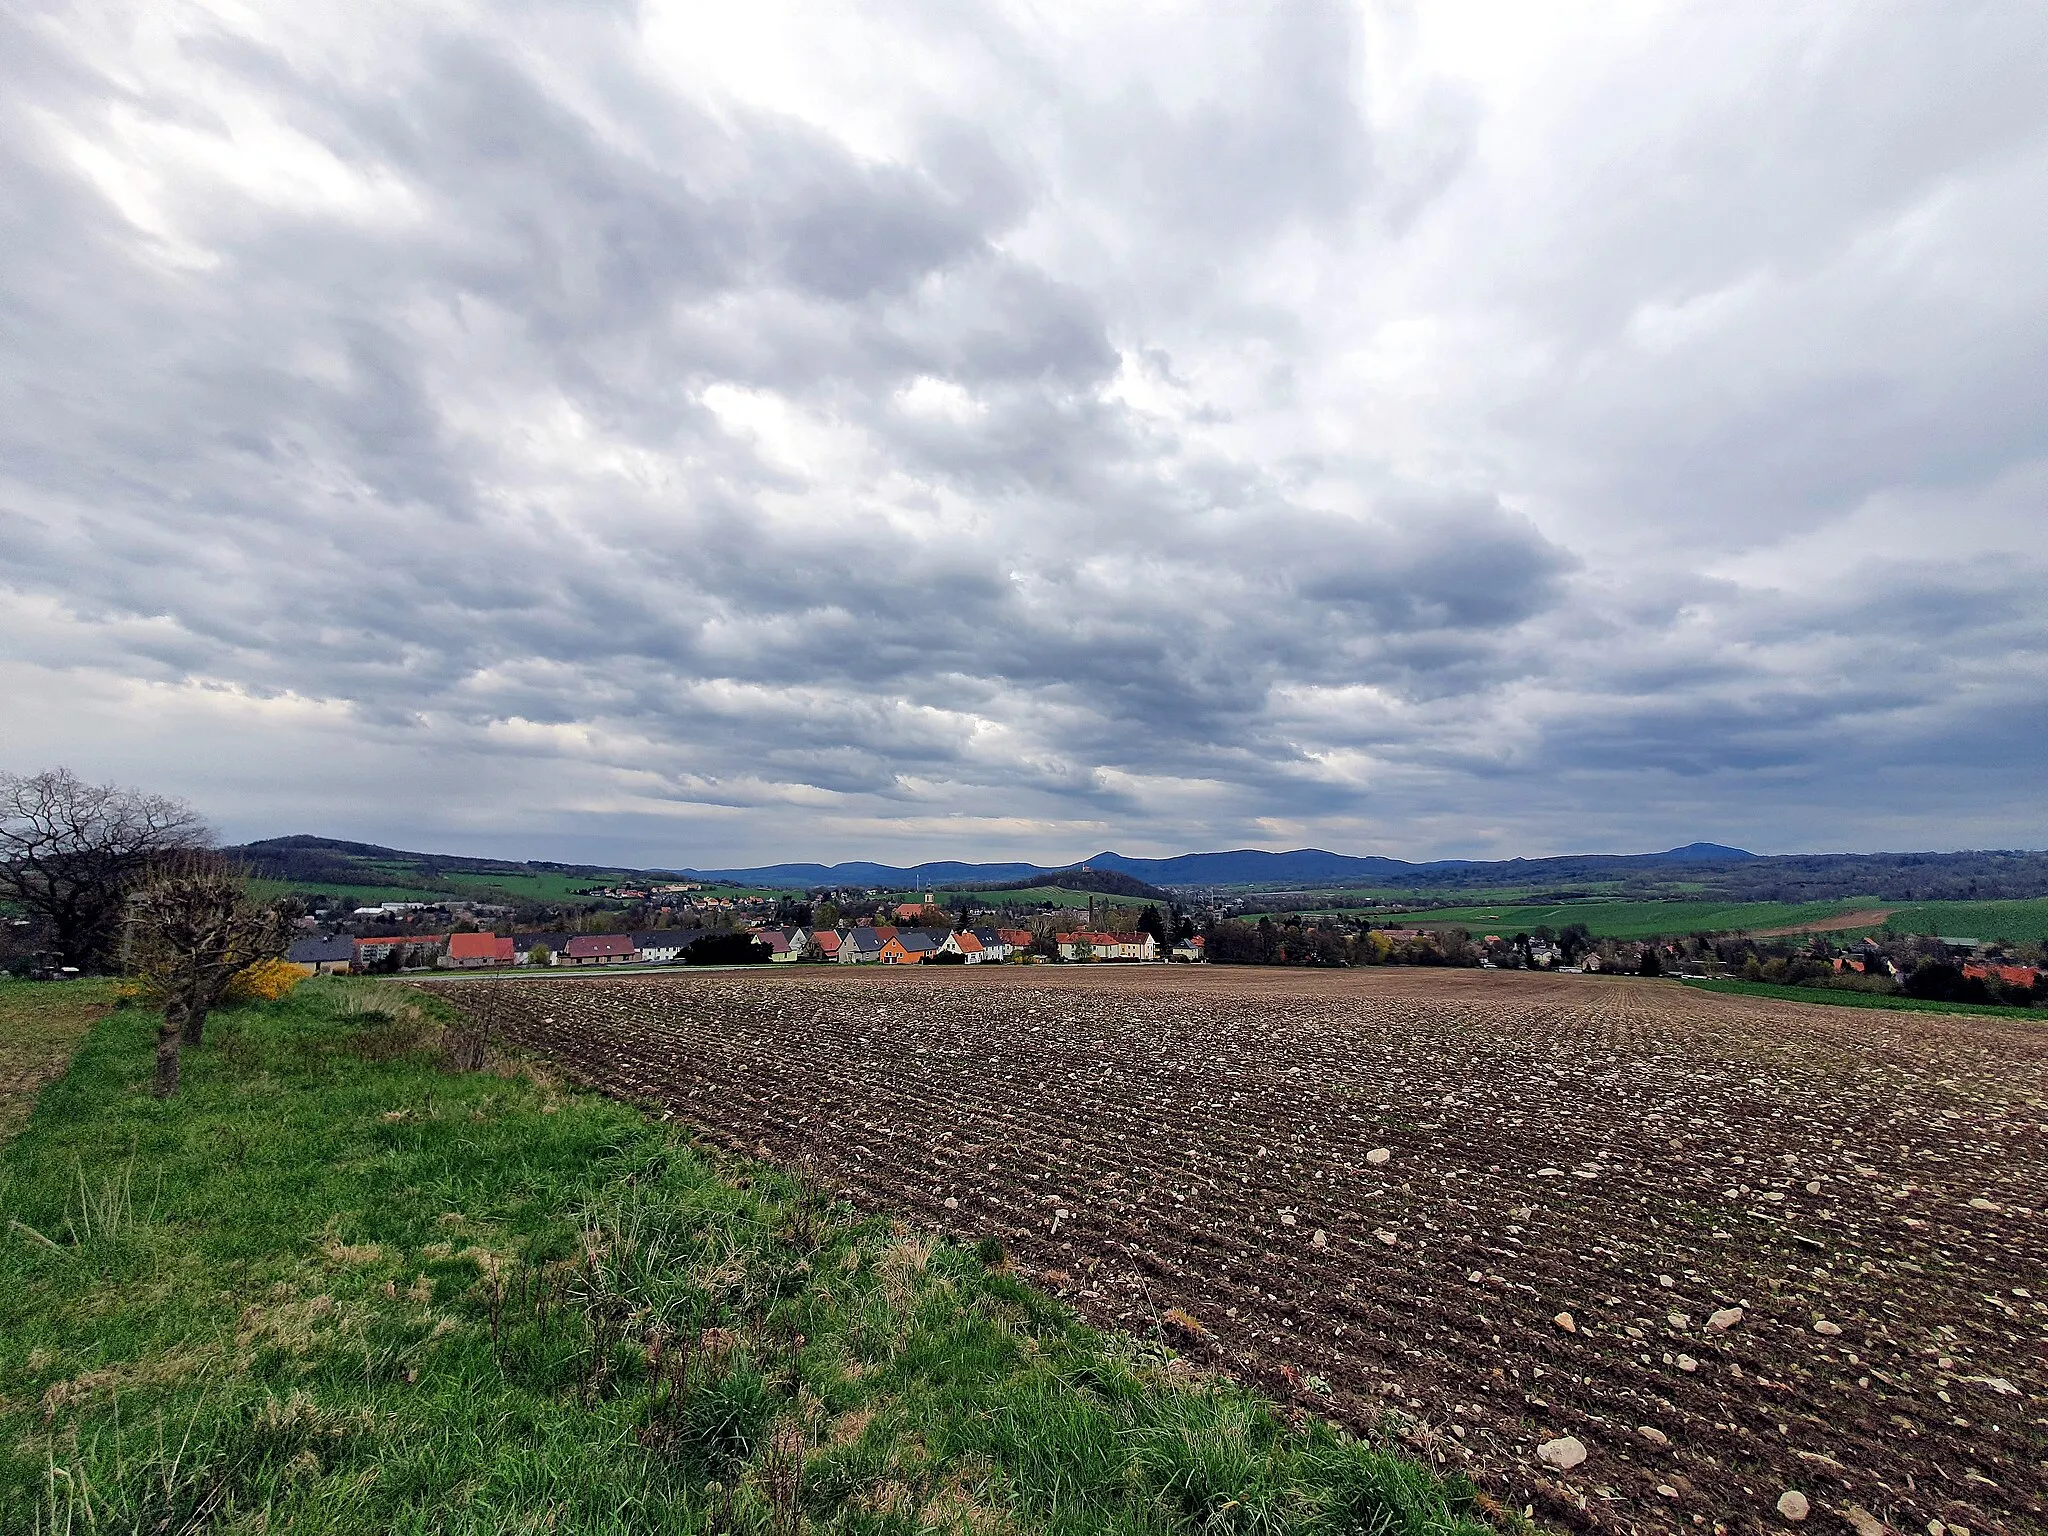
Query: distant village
x=684, y=924
x=409, y=935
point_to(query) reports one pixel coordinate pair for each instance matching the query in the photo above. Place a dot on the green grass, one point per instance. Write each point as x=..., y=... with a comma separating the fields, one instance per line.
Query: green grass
x=2021, y=921
x=40, y=1026
x=1034, y=895
x=1843, y=998
x=1633, y=919
x=334, y=1288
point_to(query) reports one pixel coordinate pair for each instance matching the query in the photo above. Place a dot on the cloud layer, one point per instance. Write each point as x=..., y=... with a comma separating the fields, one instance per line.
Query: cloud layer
x=645, y=432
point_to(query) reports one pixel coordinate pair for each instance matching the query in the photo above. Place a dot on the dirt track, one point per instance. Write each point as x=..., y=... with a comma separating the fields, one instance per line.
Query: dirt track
x=1635, y=1154
x=1841, y=922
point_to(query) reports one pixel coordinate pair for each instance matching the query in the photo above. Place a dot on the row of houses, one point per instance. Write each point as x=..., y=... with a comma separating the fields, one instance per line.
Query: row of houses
x=879, y=945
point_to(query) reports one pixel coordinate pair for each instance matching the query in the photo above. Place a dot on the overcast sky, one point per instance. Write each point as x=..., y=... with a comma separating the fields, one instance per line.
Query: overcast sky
x=699, y=436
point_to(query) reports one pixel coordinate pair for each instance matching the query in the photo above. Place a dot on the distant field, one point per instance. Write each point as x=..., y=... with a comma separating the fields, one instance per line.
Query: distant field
x=2021, y=920
x=1640, y=919
x=395, y=880
x=1843, y=998
x=363, y=895
x=1030, y=897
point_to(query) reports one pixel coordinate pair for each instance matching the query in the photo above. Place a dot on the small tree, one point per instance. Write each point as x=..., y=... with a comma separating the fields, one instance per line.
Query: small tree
x=540, y=954
x=1149, y=921
x=194, y=929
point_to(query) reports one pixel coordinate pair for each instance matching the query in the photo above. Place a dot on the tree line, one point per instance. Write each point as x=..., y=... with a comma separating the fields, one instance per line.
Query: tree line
x=108, y=878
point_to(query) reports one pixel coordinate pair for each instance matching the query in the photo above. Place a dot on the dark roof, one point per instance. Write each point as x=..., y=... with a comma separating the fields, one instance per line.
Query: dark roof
x=557, y=942
x=917, y=941
x=988, y=936
x=321, y=951
x=667, y=938
x=864, y=938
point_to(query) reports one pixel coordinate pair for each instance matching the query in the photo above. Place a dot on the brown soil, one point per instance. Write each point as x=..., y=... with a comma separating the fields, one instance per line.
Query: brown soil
x=1638, y=1155
x=1841, y=922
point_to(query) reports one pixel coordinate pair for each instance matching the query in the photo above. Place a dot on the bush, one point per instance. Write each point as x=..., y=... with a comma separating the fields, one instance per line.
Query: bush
x=266, y=981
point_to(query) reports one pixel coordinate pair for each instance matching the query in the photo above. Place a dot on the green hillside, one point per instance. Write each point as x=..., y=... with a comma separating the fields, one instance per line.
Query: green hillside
x=1635, y=919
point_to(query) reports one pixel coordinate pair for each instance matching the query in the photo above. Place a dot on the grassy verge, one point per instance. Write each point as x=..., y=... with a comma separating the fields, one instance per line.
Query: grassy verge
x=1847, y=999
x=333, y=1287
x=41, y=1024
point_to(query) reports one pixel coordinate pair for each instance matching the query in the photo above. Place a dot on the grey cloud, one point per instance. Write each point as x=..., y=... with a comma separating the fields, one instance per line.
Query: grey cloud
x=668, y=443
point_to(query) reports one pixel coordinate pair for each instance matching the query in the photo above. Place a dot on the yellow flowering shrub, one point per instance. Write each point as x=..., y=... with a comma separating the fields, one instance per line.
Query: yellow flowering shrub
x=266, y=981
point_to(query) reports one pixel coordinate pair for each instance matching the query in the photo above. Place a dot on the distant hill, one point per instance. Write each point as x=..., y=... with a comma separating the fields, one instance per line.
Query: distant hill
x=1106, y=882
x=305, y=860
x=1305, y=867
x=1704, y=870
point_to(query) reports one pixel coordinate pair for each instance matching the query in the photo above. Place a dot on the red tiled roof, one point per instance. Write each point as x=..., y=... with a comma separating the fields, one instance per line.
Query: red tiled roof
x=967, y=943
x=473, y=946
x=2011, y=975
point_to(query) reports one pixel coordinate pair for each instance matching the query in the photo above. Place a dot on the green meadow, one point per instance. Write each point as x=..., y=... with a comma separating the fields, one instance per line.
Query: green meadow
x=1634, y=919
x=2020, y=921
x=336, y=1286
x=1843, y=998
x=2015, y=920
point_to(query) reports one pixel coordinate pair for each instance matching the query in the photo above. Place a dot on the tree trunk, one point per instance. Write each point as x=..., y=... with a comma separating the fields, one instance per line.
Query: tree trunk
x=167, y=1046
x=194, y=1032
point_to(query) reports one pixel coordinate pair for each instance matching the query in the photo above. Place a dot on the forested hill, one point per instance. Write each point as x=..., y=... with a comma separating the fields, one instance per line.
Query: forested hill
x=1702, y=870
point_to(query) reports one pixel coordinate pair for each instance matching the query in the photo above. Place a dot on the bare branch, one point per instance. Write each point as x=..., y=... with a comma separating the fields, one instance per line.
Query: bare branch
x=71, y=851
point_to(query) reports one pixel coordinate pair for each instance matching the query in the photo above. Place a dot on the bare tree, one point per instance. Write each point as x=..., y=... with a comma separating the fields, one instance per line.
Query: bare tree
x=71, y=851
x=194, y=928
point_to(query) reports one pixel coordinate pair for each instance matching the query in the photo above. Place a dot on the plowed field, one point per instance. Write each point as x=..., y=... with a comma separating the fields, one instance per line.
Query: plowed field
x=1866, y=1188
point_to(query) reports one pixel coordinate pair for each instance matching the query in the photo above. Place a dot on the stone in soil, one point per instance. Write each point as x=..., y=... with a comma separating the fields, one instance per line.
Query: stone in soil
x=1564, y=1453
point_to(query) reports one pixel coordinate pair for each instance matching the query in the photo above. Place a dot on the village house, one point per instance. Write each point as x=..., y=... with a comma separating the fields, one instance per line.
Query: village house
x=1190, y=951
x=995, y=947
x=524, y=944
x=829, y=941
x=784, y=945
x=908, y=946
x=333, y=956
x=411, y=949
x=664, y=946
x=861, y=946
x=468, y=951
x=966, y=945
x=598, y=949
x=1108, y=946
